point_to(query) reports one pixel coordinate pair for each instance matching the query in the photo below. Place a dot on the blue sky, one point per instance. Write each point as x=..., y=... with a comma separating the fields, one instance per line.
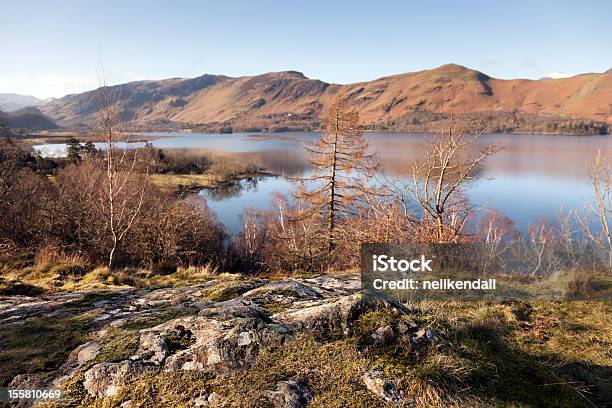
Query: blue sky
x=52, y=48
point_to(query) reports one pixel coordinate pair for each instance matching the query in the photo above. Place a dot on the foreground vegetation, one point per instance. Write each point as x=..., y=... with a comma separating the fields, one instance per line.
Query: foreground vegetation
x=513, y=354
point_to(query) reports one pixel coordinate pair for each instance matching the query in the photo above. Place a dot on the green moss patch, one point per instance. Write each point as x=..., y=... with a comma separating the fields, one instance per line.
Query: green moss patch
x=226, y=291
x=40, y=344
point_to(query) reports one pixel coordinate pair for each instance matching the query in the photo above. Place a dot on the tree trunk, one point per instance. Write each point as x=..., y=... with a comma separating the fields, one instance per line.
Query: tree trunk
x=332, y=192
x=111, y=256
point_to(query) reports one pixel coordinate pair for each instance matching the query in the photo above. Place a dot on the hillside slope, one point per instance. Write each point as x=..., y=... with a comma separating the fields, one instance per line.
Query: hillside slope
x=29, y=118
x=287, y=97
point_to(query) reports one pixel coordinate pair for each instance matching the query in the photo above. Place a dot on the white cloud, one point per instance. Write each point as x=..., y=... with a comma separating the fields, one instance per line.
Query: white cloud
x=559, y=75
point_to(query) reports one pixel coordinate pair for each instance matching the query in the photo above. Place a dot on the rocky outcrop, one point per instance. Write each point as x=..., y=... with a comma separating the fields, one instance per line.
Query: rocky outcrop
x=384, y=388
x=222, y=337
x=335, y=314
x=293, y=393
x=105, y=379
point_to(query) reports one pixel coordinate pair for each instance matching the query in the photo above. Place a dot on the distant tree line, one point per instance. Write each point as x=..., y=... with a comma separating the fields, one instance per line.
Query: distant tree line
x=497, y=122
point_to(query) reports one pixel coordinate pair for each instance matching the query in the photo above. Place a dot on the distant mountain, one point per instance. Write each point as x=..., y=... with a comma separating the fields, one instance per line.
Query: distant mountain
x=399, y=101
x=10, y=102
x=30, y=118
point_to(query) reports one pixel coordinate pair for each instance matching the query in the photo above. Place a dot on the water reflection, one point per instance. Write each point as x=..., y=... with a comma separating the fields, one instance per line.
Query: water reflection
x=534, y=176
x=232, y=189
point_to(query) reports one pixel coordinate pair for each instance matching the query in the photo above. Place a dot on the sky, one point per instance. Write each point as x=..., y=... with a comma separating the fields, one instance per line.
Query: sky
x=53, y=48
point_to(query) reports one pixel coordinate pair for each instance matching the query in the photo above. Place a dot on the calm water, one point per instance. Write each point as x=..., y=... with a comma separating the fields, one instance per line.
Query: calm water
x=535, y=176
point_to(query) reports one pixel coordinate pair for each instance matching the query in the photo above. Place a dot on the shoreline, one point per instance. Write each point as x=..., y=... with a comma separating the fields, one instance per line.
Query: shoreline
x=139, y=137
x=194, y=183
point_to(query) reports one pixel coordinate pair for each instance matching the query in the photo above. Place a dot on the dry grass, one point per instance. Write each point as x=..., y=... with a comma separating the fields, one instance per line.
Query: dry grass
x=52, y=271
x=553, y=354
x=174, y=182
x=544, y=354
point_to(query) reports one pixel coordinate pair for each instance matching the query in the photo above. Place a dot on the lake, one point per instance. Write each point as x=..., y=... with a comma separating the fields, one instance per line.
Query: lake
x=534, y=176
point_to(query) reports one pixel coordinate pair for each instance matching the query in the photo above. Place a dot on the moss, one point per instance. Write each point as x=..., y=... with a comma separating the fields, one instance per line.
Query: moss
x=122, y=342
x=119, y=344
x=179, y=341
x=226, y=291
x=274, y=307
x=40, y=344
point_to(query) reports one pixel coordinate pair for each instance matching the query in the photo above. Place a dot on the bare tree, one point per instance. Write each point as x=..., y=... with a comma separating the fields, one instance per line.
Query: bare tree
x=122, y=202
x=600, y=176
x=295, y=237
x=449, y=161
x=342, y=164
x=250, y=243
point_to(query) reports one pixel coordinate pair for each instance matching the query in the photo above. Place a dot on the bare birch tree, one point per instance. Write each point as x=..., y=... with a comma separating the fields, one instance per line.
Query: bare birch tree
x=342, y=165
x=124, y=192
x=449, y=162
x=600, y=176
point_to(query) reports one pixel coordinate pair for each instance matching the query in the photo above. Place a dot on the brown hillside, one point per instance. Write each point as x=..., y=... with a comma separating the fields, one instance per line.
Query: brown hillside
x=275, y=97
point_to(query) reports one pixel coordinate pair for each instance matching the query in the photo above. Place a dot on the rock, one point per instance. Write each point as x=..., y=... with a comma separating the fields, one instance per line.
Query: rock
x=201, y=401
x=383, y=336
x=331, y=283
x=105, y=379
x=235, y=308
x=225, y=346
x=337, y=314
x=214, y=400
x=218, y=337
x=293, y=393
x=87, y=352
x=30, y=380
x=244, y=339
x=206, y=344
x=203, y=305
x=406, y=327
x=426, y=337
x=288, y=288
x=213, y=358
x=126, y=404
x=383, y=388
x=152, y=348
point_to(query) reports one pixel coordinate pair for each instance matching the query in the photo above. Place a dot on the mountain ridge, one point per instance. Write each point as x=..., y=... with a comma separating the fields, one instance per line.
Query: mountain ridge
x=10, y=102
x=289, y=97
